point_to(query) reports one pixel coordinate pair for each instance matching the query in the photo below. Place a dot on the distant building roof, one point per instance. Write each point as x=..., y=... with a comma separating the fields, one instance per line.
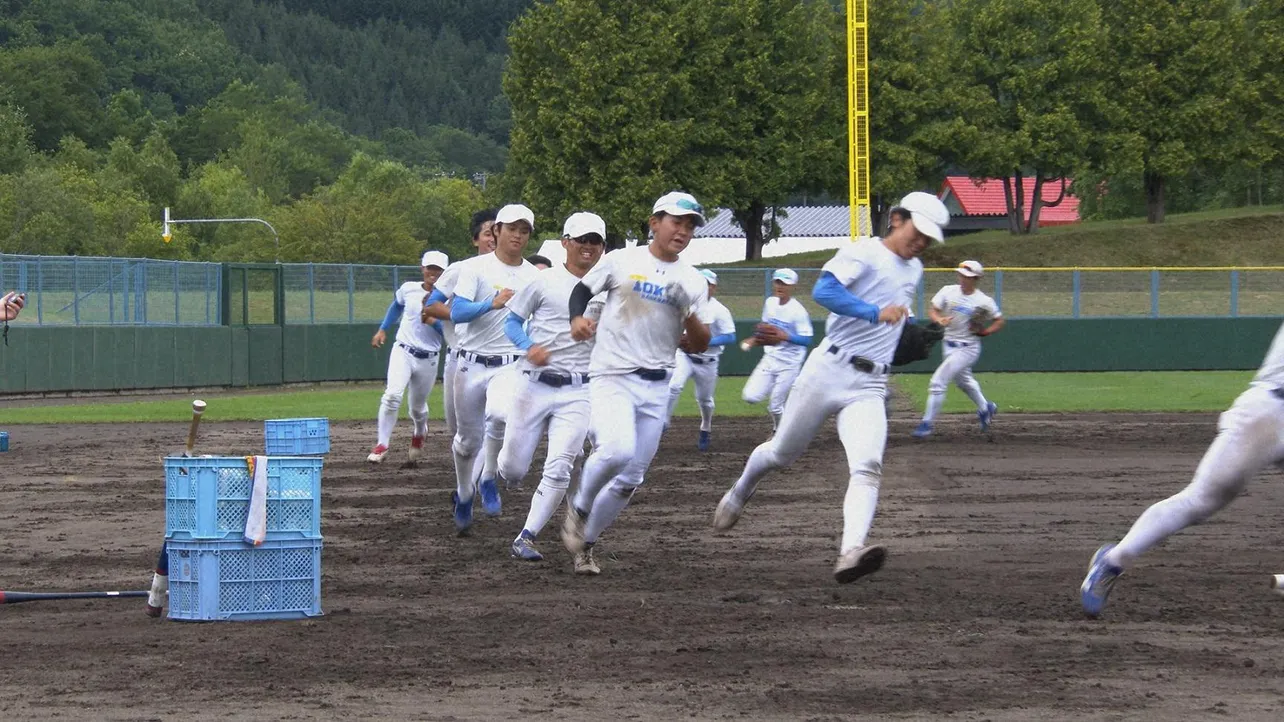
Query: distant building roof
x=794, y=222
x=973, y=197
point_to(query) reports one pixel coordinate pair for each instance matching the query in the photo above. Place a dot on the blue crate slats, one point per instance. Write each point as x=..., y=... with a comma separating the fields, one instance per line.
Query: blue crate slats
x=4, y=440
x=209, y=497
x=296, y=437
x=231, y=580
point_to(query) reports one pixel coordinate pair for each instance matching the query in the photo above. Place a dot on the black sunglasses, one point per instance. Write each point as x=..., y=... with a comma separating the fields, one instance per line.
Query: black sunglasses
x=590, y=240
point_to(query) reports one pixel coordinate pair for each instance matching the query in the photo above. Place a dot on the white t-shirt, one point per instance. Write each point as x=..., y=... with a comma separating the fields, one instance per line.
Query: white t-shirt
x=480, y=278
x=719, y=320
x=951, y=301
x=545, y=304
x=647, y=302
x=794, y=320
x=412, y=331
x=446, y=284
x=872, y=273
x=1271, y=374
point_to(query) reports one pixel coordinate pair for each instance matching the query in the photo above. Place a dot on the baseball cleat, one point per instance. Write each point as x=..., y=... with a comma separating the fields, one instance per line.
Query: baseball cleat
x=153, y=611
x=377, y=454
x=573, y=530
x=463, y=513
x=856, y=563
x=923, y=430
x=1096, y=587
x=584, y=563
x=987, y=417
x=491, y=503
x=523, y=547
x=728, y=512
x=416, y=448
x=510, y=485
x=703, y=443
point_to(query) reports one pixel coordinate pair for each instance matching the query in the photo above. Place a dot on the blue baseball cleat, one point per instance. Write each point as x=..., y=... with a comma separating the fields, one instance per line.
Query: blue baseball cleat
x=923, y=430
x=1096, y=586
x=703, y=444
x=491, y=503
x=463, y=513
x=523, y=547
x=987, y=416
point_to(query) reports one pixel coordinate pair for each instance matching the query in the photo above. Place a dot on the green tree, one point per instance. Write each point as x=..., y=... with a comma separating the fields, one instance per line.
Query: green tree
x=16, y=150
x=60, y=88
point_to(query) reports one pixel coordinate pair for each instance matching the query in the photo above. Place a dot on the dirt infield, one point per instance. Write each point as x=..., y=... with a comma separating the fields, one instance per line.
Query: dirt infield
x=975, y=615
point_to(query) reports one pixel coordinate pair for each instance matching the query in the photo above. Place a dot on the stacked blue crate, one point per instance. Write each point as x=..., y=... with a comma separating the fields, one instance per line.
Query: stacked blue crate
x=296, y=437
x=213, y=573
x=4, y=440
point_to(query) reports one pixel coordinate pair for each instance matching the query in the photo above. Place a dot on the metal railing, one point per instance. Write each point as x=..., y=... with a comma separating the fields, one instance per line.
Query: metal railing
x=133, y=291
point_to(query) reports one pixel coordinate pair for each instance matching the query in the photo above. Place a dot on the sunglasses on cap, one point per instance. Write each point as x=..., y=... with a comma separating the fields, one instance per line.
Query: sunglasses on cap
x=688, y=205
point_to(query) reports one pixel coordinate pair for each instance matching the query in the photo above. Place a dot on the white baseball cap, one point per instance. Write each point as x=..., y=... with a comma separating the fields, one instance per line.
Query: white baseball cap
x=971, y=269
x=514, y=212
x=928, y=214
x=709, y=276
x=678, y=203
x=785, y=275
x=435, y=258
x=582, y=224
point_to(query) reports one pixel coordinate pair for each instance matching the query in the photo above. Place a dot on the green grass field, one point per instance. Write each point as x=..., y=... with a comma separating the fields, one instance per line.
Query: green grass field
x=1026, y=392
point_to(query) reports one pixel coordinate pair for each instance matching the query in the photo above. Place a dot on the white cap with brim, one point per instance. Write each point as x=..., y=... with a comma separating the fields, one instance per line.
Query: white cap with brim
x=971, y=269
x=435, y=258
x=928, y=214
x=678, y=203
x=583, y=224
x=514, y=212
x=709, y=276
x=785, y=275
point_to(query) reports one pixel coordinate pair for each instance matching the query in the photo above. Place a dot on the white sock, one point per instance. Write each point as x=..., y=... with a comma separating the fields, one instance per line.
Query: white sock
x=934, y=403
x=421, y=425
x=858, y=510
x=387, y=418
x=465, y=475
x=775, y=420
x=606, y=508
x=490, y=462
x=759, y=463
x=544, y=502
x=706, y=417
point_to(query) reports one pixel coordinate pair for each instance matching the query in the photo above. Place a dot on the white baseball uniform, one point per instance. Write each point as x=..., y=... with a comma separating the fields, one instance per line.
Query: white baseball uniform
x=451, y=331
x=1250, y=437
x=412, y=363
x=960, y=349
x=703, y=366
x=554, y=396
x=647, y=303
x=846, y=375
x=485, y=358
x=775, y=373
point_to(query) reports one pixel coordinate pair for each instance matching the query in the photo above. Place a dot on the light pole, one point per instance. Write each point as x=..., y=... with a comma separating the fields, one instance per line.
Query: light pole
x=166, y=235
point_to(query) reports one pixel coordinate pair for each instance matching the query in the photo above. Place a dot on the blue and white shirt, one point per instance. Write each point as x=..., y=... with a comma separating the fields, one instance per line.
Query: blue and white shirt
x=951, y=301
x=794, y=320
x=871, y=272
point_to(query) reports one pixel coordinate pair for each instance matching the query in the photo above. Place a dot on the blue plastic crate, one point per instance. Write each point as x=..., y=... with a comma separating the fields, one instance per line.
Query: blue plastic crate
x=4, y=440
x=209, y=497
x=231, y=580
x=296, y=437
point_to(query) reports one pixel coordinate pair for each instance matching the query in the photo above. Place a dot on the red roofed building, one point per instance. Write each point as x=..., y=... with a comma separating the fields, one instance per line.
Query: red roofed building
x=978, y=204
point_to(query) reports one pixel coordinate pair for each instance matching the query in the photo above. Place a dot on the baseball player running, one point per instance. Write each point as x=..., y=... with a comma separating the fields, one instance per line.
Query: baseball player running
x=1250, y=437
x=654, y=302
x=554, y=392
x=704, y=366
x=477, y=296
x=785, y=333
x=958, y=307
x=868, y=286
x=413, y=361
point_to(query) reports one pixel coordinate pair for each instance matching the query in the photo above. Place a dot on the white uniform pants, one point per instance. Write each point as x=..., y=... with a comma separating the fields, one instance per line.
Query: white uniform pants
x=830, y=385
x=405, y=371
x=956, y=366
x=564, y=413
x=705, y=371
x=448, y=390
x=771, y=379
x=627, y=414
x=477, y=419
x=1250, y=437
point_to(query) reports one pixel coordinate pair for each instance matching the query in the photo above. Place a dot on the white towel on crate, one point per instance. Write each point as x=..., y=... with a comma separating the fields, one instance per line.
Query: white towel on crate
x=256, y=519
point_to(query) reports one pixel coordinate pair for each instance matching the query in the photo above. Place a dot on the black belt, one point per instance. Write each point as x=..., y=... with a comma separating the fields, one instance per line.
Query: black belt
x=557, y=381
x=860, y=363
x=958, y=344
x=417, y=352
x=652, y=374
x=1279, y=393
x=489, y=361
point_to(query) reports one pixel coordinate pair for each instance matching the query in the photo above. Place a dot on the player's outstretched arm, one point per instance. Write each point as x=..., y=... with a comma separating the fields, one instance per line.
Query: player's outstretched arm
x=831, y=294
x=463, y=310
x=395, y=310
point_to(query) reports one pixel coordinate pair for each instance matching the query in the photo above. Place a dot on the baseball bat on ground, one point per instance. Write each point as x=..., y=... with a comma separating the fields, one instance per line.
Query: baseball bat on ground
x=160, y=577
x=17, y=597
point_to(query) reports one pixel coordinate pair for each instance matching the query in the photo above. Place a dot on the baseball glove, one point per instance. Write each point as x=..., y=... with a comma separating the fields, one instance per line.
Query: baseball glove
x=916, y=342
x=980, y=320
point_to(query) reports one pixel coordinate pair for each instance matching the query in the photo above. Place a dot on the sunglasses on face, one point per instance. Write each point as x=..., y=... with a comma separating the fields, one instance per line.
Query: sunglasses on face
x=589, y=241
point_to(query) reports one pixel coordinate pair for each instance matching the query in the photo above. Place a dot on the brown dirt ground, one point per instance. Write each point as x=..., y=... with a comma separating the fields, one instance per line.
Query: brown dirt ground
x=975, y=615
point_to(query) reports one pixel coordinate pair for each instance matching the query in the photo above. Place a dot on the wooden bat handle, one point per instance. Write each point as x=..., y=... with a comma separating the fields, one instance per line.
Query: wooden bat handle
x=198, y=408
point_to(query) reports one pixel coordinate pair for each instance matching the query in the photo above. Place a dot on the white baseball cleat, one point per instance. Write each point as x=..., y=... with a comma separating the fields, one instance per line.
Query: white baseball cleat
x=728, y=511
x=856, y=563
x=416, y=448
x=377, y=454
x=573, y=531
x=584, y=563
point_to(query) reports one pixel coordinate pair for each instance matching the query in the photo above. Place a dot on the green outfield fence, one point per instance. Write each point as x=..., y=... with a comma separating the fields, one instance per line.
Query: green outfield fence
x=74, y=291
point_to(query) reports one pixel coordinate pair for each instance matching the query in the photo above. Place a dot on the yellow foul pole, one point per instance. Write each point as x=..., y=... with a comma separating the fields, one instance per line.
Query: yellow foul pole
x=858, y=116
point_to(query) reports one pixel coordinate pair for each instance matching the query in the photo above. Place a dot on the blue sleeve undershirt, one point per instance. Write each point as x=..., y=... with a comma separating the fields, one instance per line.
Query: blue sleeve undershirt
x=435, y=297
x=515, y=330
x=463, y=310
x=831, y=294
x=395, y=309
x=722, y=340
x=799, y=340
